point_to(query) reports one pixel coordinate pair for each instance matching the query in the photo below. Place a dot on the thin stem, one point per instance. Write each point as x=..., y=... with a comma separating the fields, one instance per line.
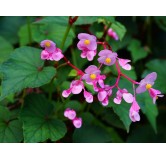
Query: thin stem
x=22, y=98
x=29, y=29
x=128, y=78
x=74, y=67
x=73, y=57
x=134, y=90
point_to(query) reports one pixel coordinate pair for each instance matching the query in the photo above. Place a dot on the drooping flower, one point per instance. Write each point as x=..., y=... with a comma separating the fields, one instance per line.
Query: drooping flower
x=87, y=45
x=107, y=57
x=77, y=122
x=50, y=51
x=124, y=63
x=92, y=76
x=112, y=34
x=76, y=87
x=146, y=83
x=134, y=111
x=70, y=113
x=88, y=96
x=104, y=94
x=154, y=94
x=128, y=97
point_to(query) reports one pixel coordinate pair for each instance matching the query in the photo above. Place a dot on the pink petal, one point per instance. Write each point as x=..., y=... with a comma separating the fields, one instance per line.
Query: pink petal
x=88, y=96
x=66, y=112
x=57, y=55
x=44, y=55
x=105, y=102
x=117, y=100
x=150, y=78
x=71, y=114
x=66, y=93
x=77, y=89
x=77, y=122
x=102, y=95
x=90, y=55
x=128, y=97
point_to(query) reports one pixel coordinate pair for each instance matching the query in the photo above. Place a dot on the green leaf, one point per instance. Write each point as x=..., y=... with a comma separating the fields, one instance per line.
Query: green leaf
x=122, y=111
x=73, y=73
x=39, y=124
x=54, y=32
x=137, y=52
x=83, y=20
x=10, y=26
x=24, y=69
x=148, y=108
x=10, y=129
x=119, y=29
x=157, y=66
x=91, y=131
x=61, y=20
x=5, y=49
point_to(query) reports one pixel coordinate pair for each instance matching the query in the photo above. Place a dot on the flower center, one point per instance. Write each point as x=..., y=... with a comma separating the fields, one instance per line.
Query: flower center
x=93, y=76
x=87, y=42
x=108, y=60
x=47, y=44
x=148, y=86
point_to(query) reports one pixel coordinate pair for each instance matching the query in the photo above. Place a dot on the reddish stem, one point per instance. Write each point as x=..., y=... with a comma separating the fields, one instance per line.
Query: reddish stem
x=79, y=72
x=128, y=78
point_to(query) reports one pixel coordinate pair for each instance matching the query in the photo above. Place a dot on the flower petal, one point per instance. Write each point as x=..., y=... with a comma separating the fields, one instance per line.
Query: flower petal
x=128, y=97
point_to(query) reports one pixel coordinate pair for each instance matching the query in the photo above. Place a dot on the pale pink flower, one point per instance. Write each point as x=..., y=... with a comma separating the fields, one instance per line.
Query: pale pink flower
x=154, y=94
x=76, y=87
x=88, y=54
x=146, y=83
x=134, y=111
x=107, y=57
x=70, y=113
x=128, y=97
x=112, y=34
x=124, y=63
x=77, y=122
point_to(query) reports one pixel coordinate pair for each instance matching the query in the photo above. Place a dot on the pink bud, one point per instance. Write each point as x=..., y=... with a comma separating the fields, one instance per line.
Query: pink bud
x=77, y=122
x=88, y=96
x=70, y=113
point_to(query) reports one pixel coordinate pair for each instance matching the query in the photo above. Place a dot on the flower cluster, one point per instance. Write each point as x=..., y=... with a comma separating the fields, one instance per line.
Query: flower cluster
x=71, y=115
x=92, y=76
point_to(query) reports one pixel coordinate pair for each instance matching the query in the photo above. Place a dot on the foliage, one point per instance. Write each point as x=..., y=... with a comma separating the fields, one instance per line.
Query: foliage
x=31, y=101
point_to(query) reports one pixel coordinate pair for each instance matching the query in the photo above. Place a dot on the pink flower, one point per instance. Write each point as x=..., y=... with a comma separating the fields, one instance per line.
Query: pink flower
x=77, y=122
x=88, y=45
x=88, y=54
x=48, y=45
x=92, y=76
x=70, y=113
x=112, y=34
x=50, y=51
x=107, y=57
x=104, y=94
x=128, y=97
x=124, y=63
x=88, y=96
x=146, y=83
x=87, y=42
x=155, y=94
x=76, y=87
x=134, y=111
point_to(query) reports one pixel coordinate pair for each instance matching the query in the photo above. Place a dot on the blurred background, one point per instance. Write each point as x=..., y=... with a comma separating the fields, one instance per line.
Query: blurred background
x=141, y=39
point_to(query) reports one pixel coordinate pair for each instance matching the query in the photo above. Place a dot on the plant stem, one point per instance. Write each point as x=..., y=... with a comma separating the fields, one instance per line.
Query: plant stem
x=29, y=30
x=128, y=78
x=73, y=57
x=22, y=98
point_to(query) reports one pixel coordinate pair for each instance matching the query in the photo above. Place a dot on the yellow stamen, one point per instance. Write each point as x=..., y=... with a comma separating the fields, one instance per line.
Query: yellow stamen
x=47, y=44
x=87, y=42
x=93, y=76
x=108, y=60
x=148, y=86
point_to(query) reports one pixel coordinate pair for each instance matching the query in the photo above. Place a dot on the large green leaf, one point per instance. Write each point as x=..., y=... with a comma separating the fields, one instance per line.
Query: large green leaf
x=24, y=69
x=122, y=110
x=10, y=26
x=161, y=21
x=90, y=131
x=39, y=123
x=137, y=51
x=5, y=49
x=148, y=108
x=157, y=66
x=10, y=129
